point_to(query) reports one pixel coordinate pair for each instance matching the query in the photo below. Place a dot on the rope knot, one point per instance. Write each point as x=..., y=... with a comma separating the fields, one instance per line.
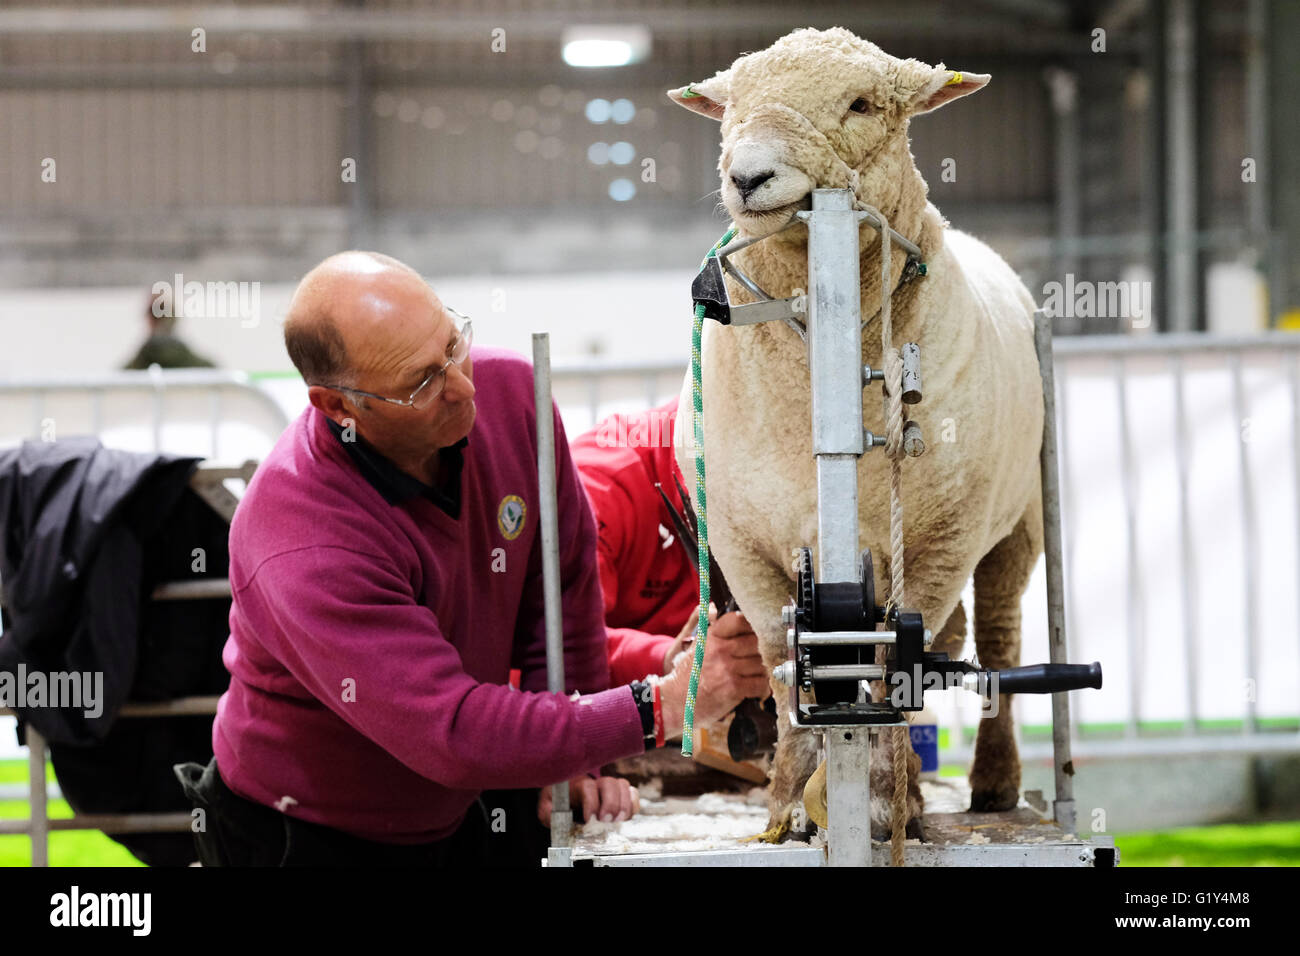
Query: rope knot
x=893, y=360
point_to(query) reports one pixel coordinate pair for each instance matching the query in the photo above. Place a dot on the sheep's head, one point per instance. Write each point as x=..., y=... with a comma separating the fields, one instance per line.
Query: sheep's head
x=817, y=109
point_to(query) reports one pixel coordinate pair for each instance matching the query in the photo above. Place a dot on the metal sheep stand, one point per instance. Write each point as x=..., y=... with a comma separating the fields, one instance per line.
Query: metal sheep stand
x=561, y=851
x=835, y=625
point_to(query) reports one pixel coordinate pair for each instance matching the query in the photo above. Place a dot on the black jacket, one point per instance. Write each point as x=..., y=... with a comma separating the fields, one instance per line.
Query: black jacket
x=86, y=533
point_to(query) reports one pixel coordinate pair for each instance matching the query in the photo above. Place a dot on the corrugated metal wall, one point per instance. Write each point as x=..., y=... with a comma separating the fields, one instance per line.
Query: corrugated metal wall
x=141, y=148
x=260, y=122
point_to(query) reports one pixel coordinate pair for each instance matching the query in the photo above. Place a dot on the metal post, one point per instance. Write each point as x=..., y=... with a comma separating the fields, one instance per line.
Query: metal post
x=1180, y=90
x=155, y=377
x=1063, y=86
x=848, y=799
x=214, y=417
x=835, y=366
x=1069, y=503
x=1155, y=162
x=1063, y=806
x=359, y=137
x=38, y=413
x=1295, y=457
x=835, y=369
x=1133, y=597
x=561, y=815
x=1279, y=170
x=1188, y=583
x=38, y=804
x=1256, y=193
x=1249, y=562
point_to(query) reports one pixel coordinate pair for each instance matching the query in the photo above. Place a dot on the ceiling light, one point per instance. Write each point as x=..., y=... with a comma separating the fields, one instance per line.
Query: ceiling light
x=604, y=46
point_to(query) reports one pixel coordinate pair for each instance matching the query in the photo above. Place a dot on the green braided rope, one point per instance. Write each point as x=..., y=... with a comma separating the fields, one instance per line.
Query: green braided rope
x=701, y=512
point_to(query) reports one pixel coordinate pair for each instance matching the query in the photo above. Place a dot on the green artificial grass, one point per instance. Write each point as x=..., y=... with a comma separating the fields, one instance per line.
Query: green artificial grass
x=15, y=771
x=67, y=848
x=1229, y=844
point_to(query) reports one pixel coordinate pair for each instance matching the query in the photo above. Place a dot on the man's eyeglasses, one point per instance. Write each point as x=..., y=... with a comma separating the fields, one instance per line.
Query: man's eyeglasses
x=432, y=386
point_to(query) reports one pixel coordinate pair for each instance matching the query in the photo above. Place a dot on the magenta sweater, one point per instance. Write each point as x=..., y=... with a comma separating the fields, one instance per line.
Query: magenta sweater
x=371, y=644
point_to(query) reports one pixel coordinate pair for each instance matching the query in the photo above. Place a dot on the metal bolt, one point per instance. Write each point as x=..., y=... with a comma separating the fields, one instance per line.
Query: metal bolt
x=789, y=638
x=784, y=673
x=870, y=440
x=911, y=373
x=787, y=615
x=913, y=445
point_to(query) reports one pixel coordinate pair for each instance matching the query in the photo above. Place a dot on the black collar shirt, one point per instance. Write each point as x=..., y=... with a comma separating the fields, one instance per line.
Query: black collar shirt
x=396, y=485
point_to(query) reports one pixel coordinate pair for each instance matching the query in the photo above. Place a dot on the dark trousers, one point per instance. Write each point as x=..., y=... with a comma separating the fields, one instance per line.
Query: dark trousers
x=500, y=829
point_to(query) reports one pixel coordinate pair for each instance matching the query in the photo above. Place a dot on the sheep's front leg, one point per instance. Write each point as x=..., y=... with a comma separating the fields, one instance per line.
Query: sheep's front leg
x=930, y=581
x=882, y=788
x=949, y=640
x=795, y=761
x=1000, y=580
x=761, y=588
x=796, y=749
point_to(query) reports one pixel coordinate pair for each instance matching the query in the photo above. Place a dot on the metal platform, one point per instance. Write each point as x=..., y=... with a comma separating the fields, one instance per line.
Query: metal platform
x=710, y=830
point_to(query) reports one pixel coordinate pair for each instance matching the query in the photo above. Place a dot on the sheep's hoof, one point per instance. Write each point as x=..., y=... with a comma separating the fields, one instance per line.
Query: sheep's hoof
x=814, y=796
x=994, y=799
x=883, y=833
x=772, y=834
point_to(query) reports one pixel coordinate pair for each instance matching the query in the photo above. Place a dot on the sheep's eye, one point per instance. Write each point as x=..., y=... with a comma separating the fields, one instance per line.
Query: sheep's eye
x=859, y=105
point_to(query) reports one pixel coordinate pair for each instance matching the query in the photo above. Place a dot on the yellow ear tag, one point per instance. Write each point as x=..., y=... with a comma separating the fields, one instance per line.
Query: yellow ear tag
x=956, y=78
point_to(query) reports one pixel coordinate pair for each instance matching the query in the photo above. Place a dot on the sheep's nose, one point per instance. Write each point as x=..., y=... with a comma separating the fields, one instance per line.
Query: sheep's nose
x=747, y=184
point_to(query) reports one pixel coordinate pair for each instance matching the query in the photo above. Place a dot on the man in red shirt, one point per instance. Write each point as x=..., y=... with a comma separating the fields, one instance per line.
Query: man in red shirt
x=651, y=590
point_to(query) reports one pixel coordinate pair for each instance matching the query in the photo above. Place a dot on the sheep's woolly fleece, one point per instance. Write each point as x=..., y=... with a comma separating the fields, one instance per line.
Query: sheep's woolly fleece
x=824, y=108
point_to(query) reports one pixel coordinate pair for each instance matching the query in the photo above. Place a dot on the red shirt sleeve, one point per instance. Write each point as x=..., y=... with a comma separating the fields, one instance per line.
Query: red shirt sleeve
x=633, y=653
x=586, y=667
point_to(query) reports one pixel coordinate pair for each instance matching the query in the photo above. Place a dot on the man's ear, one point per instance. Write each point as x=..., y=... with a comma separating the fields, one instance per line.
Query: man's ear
x=944, y=86
x=708, y=97
x=331, y=403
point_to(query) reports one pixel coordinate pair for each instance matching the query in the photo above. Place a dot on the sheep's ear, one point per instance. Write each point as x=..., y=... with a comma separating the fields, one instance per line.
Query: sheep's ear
x=708, y=98
x=944, y=86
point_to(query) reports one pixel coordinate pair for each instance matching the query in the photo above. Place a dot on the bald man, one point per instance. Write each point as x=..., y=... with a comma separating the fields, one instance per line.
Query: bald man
x=385, y=566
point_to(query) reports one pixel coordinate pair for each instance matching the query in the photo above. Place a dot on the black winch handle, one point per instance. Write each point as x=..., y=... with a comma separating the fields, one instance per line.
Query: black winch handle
x=1048, y=678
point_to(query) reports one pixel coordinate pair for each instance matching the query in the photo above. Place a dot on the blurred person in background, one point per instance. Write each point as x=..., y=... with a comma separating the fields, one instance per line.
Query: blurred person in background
x=164, y=347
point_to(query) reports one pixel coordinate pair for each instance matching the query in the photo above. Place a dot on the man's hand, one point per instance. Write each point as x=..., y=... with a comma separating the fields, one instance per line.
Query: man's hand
x=732, y=671
x=609, y=799
x=684, y=638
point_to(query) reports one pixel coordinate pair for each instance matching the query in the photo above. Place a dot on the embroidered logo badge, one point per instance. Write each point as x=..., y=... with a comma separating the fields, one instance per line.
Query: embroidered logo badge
x=510, y=516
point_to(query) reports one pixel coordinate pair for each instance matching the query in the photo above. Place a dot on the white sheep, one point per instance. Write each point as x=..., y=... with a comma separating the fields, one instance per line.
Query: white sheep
x=824, y=108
